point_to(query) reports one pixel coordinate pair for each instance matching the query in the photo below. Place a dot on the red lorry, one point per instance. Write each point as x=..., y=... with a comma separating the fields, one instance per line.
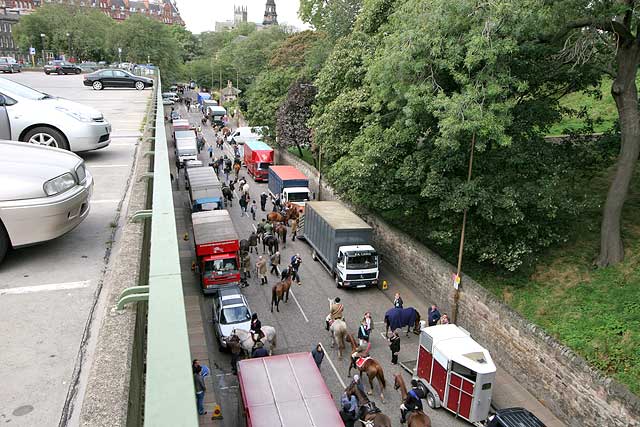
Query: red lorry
x=285, y=390
x=217, y=246
x=258, y=156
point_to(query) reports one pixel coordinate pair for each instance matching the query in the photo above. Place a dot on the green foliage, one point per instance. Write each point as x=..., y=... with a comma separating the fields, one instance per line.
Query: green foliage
x=334, y=17
x=188, y=44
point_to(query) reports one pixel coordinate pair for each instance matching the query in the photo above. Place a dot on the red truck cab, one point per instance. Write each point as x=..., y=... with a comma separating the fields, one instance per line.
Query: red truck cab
x=217, y=247
x=258, y=157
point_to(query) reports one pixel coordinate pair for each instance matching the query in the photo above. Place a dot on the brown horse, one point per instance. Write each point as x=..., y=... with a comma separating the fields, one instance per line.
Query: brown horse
x=371, y=367
x=275, y=217
x=278, y=292
x=292, y=212
x=416, y=418
x=281, y=232
x=368, y=413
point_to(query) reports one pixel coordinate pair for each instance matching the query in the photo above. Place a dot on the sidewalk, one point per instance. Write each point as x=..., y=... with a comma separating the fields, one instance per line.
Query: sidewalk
x=508, y=392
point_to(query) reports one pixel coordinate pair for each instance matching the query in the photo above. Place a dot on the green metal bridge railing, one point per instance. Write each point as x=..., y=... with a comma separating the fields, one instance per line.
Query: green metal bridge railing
x=169, y=392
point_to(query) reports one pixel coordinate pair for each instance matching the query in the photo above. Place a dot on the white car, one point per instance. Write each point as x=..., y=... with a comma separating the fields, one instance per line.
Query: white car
x=32, y=116
x=230, y=311
x=45, y=193
x=246, y=133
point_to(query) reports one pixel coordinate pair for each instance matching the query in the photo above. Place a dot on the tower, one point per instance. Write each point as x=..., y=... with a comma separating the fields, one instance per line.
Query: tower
x=270, y=15
x=239, y=14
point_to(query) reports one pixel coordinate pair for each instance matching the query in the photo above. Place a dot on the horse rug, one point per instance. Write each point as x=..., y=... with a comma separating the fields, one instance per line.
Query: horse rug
x=399, y=317
x=361, y=361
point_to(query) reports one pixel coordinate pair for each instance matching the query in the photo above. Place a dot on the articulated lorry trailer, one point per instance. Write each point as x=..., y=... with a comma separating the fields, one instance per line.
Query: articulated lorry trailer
x=341, y=241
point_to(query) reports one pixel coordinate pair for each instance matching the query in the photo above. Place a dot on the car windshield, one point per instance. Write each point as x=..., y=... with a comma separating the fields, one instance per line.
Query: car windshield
x=21, y=91
x=236, y=314
x=298, y=197
x=362, y=260
x=263, y=166
x=220, y=266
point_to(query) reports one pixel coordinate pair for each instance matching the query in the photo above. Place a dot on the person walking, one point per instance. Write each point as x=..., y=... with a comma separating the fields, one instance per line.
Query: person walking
x=263, y=201
x=254, y=207
x=236, y=169
x=295, y=263
x=275, y=262
x=349, y=412
x=259, y=351
x=294, y=229
x=394, y=346
x=318, y=354
x=245, y=188
x=397, y=300
x=235, y=348
x=433, y=315
x=261, y=266
x=243, y=205
x=210, y=150
x=200, y=389
x=245, y=261
x=363, y=334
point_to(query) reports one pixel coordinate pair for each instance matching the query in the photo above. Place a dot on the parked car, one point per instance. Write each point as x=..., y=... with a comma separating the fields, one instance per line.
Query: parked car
x=45, y=193
x=89, y=66
x=174, y=116
x=9, y=65
x=32, y=116
x=116, y=78
x=230, y=311
x=514, y=417
x=170, y=95
x=61, y=67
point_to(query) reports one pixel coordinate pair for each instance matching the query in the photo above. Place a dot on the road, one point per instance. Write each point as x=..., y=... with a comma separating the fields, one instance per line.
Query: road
x=43, y=332
x=300, y=322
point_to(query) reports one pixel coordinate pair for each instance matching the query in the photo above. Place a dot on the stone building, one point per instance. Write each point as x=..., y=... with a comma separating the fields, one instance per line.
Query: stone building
x=270, y=15
x=230, y=93
x=8, y=18
x=239, y=16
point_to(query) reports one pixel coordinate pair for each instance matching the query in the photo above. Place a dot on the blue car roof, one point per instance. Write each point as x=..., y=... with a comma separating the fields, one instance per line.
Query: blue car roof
x=207, y=200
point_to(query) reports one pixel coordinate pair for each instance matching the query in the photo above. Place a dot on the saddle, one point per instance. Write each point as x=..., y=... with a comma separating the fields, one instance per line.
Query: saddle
x=361, y=361
x=369, y=408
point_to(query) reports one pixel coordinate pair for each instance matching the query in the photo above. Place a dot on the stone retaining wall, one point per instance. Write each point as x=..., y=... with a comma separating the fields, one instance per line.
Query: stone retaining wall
x=563, y=381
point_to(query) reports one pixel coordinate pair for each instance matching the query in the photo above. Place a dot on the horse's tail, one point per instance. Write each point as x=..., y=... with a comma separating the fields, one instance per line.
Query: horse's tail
x=274, y=294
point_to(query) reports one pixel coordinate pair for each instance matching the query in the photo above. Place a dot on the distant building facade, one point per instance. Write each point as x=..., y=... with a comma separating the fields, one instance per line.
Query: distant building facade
x=239, y=16
x=8, y=18
x=270, y=15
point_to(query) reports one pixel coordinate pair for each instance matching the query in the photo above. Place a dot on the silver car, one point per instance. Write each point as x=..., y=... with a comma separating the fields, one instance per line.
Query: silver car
x=230, y=311
x=32, y=116
x=45, y=193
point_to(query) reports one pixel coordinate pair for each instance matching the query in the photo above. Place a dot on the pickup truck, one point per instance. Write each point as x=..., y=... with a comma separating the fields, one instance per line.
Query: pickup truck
x=290, y=185
x=341, y=241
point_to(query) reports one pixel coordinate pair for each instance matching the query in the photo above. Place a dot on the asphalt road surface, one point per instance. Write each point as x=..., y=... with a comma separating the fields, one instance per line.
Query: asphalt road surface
x=43, y=328
x=300, y=322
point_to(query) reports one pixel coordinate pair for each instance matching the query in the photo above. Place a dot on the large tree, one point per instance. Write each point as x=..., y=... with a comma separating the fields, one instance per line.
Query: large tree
x=293, y=115
x=606, y=35
x=335, y=17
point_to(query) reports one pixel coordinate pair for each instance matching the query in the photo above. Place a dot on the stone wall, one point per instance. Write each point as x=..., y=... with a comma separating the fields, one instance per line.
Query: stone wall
x=563, y=381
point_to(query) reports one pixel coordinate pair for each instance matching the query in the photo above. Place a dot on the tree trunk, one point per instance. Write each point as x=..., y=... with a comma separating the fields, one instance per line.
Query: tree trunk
x=300, y=150
x=625, y=94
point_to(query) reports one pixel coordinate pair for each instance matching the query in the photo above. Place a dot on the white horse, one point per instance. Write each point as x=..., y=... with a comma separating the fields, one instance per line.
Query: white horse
x=338, y=331
x=246, y=341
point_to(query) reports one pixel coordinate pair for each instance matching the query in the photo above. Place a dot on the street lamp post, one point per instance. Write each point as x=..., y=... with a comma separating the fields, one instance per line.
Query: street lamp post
x=42, y=36
x=120, y=55
x=69, y=51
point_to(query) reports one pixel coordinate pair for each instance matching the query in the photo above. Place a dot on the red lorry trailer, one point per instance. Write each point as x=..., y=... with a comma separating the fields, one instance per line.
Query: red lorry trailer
x=217, y=246
x=258, y=156
x=285, y=391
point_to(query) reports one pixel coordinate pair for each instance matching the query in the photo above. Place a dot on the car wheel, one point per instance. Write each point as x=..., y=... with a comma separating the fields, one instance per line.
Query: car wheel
x=78, y=70
x=44, y=135
x=431, y=401
x=97, y=85
x=10, y=70
x=47, y=73
x=4, y=242
x=60, y=72
x=139, y=85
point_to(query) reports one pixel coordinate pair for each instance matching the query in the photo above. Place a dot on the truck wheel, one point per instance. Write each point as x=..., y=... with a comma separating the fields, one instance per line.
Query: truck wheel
x=431, y=401
x=4, y=242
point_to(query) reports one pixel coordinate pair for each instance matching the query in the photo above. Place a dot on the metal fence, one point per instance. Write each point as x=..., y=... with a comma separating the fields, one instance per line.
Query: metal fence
x=169, y=392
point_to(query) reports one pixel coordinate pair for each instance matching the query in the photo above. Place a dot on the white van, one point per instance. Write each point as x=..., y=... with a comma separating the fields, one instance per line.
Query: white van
x=244, y=134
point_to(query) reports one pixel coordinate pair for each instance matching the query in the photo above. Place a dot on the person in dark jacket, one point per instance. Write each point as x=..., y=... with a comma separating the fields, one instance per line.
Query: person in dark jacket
x=235, y=349
x=394, y=346
x=318, y=354
x=349, y=411
x=412, y=402
x=263, y=201
x=433, y=315
x=256, y=328
x=363, y=333
x=259, y=351
x=397, y=301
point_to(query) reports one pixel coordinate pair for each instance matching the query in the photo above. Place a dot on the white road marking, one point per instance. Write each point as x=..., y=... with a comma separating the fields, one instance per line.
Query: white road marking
x=107, y=166
x=226, y=388
x=106, y=201
x=45, y=288
x=298, y=304
x=333, y=366
x=254, y=227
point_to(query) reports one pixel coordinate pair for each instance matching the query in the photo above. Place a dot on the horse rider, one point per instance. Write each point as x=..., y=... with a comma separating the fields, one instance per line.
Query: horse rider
x=268, y=229
x=256, y=329
x=286, y=273
x=336, y=310
x=413, y=402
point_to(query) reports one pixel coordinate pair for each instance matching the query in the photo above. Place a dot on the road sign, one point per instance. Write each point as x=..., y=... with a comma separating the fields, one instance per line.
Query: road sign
x=32, y=51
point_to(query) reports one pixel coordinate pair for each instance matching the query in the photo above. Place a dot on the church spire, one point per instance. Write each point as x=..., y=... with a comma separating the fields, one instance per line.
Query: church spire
x=270, y=15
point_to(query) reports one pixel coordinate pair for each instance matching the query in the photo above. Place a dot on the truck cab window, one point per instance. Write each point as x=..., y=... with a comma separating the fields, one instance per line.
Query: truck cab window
x=362, y=261
x=220, y=266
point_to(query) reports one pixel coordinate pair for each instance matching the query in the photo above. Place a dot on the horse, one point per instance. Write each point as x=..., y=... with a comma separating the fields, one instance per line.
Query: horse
x=278, y=292
x=396, y=318
x=416, y=418
x=247, y=343
x=281, y=232
x=228, y=195
x=244, y=246
x=291, y=213
x=368, y=412
x=338, y=331
x=270, y=241
x=370, y=366
x=253, y=242
x=275, y=217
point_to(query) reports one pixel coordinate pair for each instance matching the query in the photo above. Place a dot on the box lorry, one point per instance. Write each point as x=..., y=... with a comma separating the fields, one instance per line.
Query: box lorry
x=216, y=114
x=341, y=241
x=205, y=190
x=290, y=185
x=186, y=148
x=217, y=246
x=258, y=157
